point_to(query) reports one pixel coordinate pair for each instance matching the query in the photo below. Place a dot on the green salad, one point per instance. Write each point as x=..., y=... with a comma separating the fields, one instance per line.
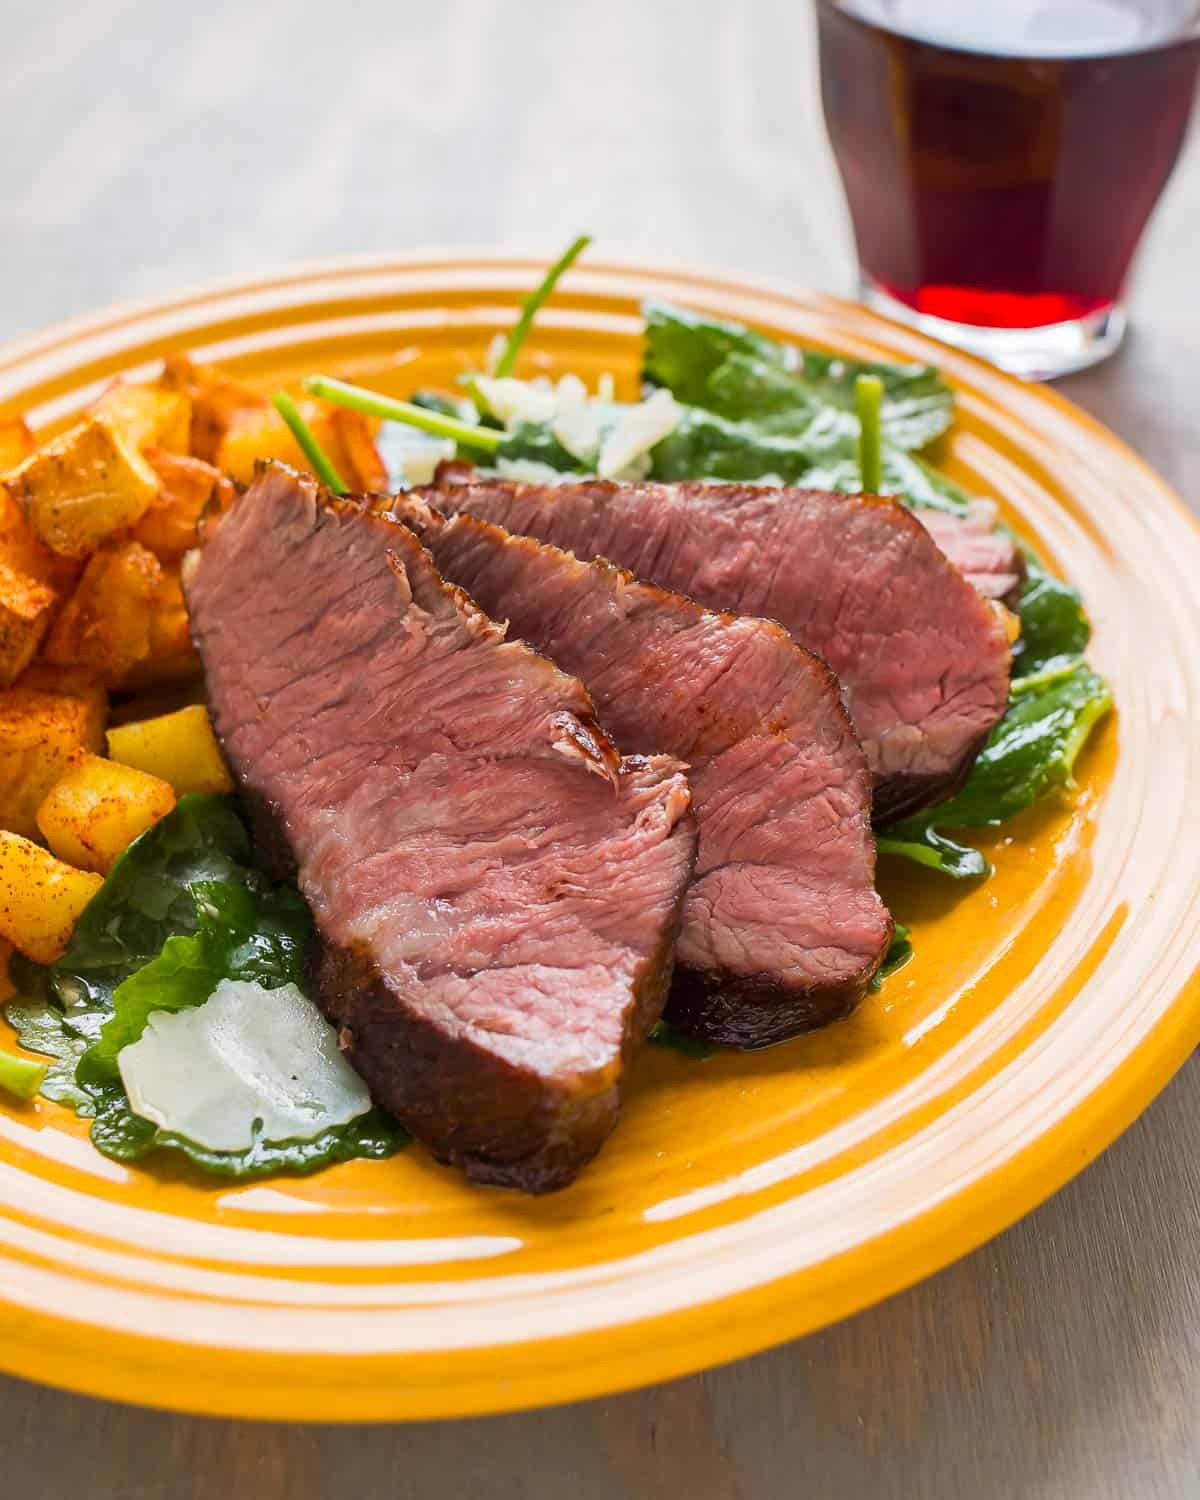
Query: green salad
x=167, y=962
x=182, y=911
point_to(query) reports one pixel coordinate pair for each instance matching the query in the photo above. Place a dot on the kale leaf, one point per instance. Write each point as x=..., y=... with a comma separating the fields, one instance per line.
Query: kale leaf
x=1030, y=752
x=124, y=1136
x=900, y=950
x=1054, y=627
x=43, y=1028
x=705, y=445
x=918, y=405
x=924, y=845
x=683, y=349
x=147, y=897
x=535, y=442
x=1032, y=749
x=754, y=420
x=741, y=374
x=241, y=933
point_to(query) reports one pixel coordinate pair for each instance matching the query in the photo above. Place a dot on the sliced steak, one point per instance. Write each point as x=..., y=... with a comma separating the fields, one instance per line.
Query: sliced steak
x=783, y=929
x=987, y=558
x=923, y=659
x=497, y=893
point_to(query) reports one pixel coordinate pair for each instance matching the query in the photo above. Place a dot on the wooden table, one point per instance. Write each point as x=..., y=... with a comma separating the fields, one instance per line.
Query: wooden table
x=147, y=145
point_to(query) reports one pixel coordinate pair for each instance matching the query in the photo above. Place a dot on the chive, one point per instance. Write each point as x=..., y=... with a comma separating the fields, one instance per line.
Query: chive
x=919, y=853
x=21, y=1076
x=375, y=405
x=532, y=303
x=477, y=396
x=312, y=450
x=868, y=396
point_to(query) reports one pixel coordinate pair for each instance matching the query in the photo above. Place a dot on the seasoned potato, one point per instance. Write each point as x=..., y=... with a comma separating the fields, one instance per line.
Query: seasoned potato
x=21, y=550
x=40, y=898
x=216, y=400
x=262, y=433
x=172, y=657
x=16, y=443
x=92, y=814
x=106, y=624
x=83, y=487
x=188, y=490
x=344, y=435
x=180, y=748
x=38, y=732
x=359, y=461
x=25, y=610
x=68, y=682
x=146, y=415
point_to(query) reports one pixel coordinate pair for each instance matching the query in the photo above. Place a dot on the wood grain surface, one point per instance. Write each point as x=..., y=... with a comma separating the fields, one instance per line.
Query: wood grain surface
x=145, y=145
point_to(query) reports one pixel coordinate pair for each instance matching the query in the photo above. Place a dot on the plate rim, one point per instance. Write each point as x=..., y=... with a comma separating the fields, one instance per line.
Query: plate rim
x=739, y=1323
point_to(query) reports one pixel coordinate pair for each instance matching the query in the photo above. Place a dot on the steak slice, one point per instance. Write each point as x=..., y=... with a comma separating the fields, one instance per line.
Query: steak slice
x=782, y=929
x=987, y=558
x=923, y=659
x=496, y=892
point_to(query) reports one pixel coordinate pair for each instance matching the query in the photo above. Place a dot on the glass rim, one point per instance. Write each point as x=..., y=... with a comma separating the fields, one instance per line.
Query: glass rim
x=1188, y=37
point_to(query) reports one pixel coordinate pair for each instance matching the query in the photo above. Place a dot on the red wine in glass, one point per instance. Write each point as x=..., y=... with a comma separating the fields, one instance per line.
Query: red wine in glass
x=1001, y=159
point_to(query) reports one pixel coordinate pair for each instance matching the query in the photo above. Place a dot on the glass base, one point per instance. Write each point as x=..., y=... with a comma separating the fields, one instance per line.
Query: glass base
x=1030, y=353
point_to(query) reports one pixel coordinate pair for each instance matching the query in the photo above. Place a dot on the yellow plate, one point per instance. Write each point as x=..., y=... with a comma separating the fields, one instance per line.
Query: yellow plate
x=742, y=1201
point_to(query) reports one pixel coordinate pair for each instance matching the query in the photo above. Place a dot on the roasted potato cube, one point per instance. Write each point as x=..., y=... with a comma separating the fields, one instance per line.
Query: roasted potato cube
x=172, y=657
x=357, y=459
x=188, y=489
x=40, y=898
x=16, y=443
x=344, y=435
x=92, y=814
x=216, y=399
x=82, y=488
x=25, y=610
x=22, y=551
x=180, y=748
x=146, y=415
x=38, y=732
x=7, y=989
x=106, y=623
x=261, y=433
x=67, y=682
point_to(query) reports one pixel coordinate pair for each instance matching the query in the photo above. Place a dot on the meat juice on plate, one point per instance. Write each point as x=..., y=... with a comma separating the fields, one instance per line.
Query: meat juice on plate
x=1001, y=159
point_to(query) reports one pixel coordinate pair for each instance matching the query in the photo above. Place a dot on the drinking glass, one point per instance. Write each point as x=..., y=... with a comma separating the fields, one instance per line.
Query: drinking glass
x=1001, y=159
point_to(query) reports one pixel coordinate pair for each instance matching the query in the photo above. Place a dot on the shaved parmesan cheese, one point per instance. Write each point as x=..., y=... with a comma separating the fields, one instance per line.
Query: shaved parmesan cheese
x=418, y=463
x=529, y=471
x=513, y=401
x=411, y=456
x=570, y=390
x=577, y=424
x=635, y=471
x=246, y=1055
x=637, y=430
